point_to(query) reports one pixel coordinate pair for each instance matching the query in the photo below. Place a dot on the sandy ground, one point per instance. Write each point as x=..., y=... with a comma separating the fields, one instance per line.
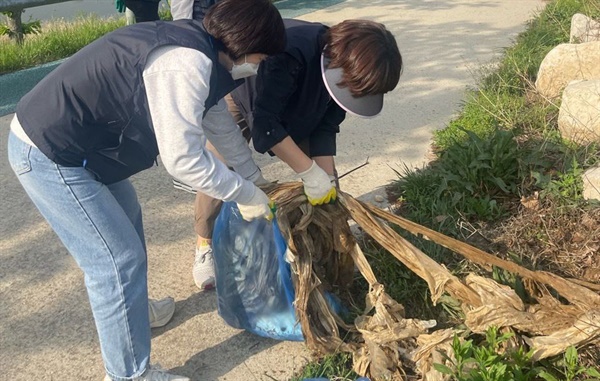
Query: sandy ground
x=46, y=327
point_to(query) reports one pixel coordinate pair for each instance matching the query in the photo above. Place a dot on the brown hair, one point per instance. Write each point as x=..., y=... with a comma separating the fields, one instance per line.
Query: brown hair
x=368, y=55
x=246, y=26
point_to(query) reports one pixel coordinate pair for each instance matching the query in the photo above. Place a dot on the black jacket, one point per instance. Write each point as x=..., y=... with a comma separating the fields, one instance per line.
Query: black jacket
x=92, y=110
x=289, y=97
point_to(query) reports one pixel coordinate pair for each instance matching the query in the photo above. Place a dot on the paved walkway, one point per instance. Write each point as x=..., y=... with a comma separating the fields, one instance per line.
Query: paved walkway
x=46, y=328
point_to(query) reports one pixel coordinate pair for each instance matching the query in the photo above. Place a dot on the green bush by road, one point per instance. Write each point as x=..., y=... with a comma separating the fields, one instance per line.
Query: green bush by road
x=57, y=40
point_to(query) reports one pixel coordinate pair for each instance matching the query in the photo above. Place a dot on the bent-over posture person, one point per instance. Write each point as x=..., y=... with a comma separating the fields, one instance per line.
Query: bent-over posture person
x=104, y=115
x=296, y=103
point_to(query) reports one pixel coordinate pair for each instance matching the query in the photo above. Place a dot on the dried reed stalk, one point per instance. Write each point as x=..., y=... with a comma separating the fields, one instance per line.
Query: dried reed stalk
x=323, y=253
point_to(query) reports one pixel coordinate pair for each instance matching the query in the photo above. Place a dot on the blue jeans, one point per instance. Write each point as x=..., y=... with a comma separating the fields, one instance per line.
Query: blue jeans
x=101, y=227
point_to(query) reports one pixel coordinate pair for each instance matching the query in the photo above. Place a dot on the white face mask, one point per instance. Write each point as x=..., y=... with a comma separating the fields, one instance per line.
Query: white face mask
x=247, y=69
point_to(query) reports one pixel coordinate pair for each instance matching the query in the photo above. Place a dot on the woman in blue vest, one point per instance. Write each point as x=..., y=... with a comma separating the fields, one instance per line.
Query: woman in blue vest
x=104, y=115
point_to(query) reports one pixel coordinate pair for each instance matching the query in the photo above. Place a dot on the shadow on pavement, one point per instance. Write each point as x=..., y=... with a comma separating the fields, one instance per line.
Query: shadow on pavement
x=216, y=361
x=197, y=304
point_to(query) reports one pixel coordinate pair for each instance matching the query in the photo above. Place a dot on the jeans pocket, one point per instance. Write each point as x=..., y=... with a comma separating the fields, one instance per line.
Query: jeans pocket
x=19, y=155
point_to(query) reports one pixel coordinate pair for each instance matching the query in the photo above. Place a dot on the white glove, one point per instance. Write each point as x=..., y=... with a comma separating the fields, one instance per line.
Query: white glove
x=259, y=206
x=317, y=185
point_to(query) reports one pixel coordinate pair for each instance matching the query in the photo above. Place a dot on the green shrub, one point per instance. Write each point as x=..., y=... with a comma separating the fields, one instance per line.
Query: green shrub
x=486, y=361
x=569, y=369
x=56, y=40
x=489, y=360
x=464, y=182
x=567, y=187
x=472, y=118
x=336, y=367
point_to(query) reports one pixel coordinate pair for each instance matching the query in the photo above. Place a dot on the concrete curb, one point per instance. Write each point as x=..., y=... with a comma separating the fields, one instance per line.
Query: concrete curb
x=15, y=85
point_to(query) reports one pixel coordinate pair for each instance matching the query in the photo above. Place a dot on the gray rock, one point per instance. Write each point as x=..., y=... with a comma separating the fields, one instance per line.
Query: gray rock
x=591, y=184
x=579, y=115
x=566, y=63
x=584, y=29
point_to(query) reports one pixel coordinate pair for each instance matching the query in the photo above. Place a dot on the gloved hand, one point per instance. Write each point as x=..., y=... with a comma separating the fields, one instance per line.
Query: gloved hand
x=120, y=5
x=317, y=185
x=259, y=206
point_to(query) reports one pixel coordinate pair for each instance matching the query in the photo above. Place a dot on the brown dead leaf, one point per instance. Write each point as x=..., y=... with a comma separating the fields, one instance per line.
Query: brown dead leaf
x=531, y=202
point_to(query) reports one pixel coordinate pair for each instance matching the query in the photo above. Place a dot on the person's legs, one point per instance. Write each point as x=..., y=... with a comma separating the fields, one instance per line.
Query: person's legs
x=160, y=311
x=239, y=116
x=200, y=8
x=143, y=10
x=125, y=195
x=206, y=211
x=94, y=222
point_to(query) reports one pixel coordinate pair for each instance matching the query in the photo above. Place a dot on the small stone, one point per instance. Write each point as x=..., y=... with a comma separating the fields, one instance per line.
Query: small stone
x=379, y=198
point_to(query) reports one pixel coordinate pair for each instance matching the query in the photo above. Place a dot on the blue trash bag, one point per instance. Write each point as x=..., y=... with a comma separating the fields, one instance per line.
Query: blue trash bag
x=254, y=284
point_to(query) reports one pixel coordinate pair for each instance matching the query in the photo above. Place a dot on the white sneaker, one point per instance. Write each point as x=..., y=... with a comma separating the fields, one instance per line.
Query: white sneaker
x=161, y=311
x=155, y=373
x=204, y=269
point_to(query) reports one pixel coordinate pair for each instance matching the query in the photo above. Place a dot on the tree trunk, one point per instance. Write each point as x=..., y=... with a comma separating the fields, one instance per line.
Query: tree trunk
x=15, y=25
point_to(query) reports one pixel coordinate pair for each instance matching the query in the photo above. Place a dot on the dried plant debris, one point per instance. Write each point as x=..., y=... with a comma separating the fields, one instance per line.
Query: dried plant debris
x=385, y=343
x=565, y=241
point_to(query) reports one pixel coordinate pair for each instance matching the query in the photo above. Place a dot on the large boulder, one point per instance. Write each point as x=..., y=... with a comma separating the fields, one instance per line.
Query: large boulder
x=579, y=115
x=591, y=184
x=584, y=29
x=566, y=63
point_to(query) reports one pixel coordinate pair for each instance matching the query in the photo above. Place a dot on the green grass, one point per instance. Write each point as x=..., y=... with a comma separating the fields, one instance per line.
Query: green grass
x=479, y=165
x=58, y=40
x=337, y=367
x=54, y=40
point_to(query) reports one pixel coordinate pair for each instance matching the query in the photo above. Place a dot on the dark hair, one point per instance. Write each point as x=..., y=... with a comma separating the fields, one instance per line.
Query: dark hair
x=246, y=26
x=368, y=55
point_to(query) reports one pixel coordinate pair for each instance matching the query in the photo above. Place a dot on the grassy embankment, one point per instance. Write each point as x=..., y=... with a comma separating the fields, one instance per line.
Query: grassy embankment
x=505, y=181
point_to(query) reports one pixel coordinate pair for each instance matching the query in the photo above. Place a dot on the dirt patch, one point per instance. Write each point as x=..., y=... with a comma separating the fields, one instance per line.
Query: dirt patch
x=543, y=236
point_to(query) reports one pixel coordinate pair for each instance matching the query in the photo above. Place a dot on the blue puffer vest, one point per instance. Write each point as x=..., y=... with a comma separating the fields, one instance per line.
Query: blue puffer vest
x=92, y=110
